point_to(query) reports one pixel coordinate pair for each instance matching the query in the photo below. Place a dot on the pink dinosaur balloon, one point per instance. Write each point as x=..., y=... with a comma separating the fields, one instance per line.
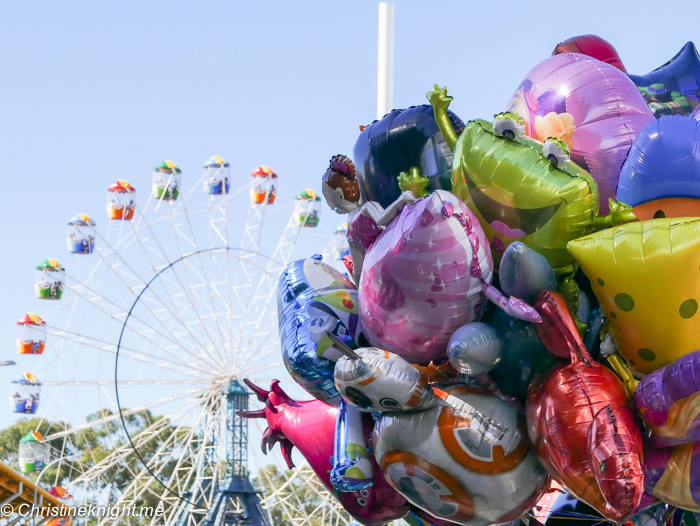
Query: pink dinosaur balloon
x=424, y=277
x=310, y=426
x=592, y=106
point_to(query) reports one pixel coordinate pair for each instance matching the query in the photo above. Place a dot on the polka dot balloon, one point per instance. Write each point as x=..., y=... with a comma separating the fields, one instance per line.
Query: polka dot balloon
x=647, y=278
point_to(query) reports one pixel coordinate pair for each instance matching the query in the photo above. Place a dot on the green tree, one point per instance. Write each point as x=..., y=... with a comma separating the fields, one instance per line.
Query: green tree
x=91, y=446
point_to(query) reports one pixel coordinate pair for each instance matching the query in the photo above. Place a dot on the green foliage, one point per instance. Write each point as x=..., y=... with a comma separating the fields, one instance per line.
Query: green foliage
x=92, y=445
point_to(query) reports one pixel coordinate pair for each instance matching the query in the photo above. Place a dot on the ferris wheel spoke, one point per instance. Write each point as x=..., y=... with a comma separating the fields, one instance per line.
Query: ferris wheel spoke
x=189, y=447
x=140, y=333
x=250, y=244
x=131, y=354
x=184, y=289
x=165, y=304
x=123, y=450
x=177, y=340
x=222, y=209
x=207, y=283
x=250, y=366
x=116, y=306
x=202, y=480
x=267, y=290
x=190, y=289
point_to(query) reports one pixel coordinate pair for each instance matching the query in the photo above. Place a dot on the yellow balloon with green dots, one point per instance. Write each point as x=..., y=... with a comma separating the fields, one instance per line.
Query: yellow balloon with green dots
x=647, y=278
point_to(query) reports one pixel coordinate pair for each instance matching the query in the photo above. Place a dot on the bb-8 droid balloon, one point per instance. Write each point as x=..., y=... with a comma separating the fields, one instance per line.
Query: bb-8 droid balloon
x=381, y=381
x=467, y=461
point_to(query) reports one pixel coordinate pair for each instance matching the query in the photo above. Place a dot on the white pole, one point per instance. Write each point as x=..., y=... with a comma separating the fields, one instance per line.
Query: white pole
x=385, y=69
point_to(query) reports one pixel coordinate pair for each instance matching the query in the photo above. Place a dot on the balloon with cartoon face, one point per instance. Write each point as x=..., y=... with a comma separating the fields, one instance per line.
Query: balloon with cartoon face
x=468, y=461
x=519, y=195
x=661, y=176
x=315, y=298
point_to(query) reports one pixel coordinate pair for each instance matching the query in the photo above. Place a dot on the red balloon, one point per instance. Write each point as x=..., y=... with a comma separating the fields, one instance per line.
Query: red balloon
x=593, y=46
x=581, y=421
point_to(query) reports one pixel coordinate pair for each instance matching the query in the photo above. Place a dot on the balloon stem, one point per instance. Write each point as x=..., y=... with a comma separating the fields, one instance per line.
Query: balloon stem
x=342, y=346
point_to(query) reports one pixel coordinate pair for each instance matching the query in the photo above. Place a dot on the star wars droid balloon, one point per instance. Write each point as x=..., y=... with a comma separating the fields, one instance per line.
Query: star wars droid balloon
x=427, y=275
x=315, y=298
x=378, y=380
x=467, y=461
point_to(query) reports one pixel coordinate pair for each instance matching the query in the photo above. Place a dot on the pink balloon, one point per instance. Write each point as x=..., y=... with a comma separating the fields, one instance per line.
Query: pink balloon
x=424, y=277
x=593, y=106
x=310, y=427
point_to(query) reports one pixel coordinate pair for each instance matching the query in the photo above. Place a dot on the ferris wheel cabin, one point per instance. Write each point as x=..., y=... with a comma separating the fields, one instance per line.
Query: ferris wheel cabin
x=166, y=181
x=121, y=201
x=31, y=334
x=24, y=396
x=80, y=235
x=217, y=180
x=49, y=280
x=34, y=453
x=263, y=189
x=308, y=209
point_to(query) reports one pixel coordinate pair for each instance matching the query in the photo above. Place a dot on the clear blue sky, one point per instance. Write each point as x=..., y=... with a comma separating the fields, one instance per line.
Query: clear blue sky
x=95, y=91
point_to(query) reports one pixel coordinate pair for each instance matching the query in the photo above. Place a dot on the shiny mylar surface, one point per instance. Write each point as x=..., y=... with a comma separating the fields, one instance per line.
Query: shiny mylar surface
x=581, y=422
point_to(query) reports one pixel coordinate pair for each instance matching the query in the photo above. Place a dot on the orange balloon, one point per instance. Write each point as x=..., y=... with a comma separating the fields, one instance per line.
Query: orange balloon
x=668, y=207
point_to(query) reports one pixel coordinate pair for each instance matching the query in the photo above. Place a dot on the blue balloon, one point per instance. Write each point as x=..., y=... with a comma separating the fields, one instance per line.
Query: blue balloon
x=663, y=162
x=681, y=73
x=352, y=468
x=696, y=114
x=315, y=298
x=521, y=351
x=395, y=143
x=524, y=272
x=595, y=324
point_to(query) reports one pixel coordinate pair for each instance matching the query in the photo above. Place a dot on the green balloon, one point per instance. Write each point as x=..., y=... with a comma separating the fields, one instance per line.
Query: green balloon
x=518, y=194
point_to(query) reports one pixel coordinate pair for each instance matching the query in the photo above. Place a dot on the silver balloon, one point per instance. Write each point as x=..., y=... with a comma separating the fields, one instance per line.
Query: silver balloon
x=474, y=348
x=379, y=380
x=466, y=460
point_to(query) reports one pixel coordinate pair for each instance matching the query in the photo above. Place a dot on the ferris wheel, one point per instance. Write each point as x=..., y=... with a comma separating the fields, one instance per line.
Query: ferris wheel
x=160, y=315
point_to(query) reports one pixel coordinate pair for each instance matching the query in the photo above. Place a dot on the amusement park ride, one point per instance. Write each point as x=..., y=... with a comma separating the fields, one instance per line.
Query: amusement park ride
x=181, y=312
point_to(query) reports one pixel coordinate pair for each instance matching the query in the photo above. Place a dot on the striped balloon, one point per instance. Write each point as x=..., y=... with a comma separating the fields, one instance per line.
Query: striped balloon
x=424, y=278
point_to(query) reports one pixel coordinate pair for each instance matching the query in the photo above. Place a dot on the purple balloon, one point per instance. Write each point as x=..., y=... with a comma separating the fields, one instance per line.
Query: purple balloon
x=672, y=474
x=424, y=277
x=669, y=401
x=592, y=106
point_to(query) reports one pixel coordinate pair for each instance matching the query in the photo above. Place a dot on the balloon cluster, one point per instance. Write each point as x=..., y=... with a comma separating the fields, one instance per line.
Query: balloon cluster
x=522, y=316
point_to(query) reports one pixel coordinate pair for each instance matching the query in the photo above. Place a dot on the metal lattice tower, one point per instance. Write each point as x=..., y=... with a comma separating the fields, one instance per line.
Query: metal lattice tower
x=236, y=431
x=235, y=501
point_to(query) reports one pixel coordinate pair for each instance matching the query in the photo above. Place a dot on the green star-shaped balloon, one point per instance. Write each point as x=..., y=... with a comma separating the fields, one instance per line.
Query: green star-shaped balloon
x=415, y=182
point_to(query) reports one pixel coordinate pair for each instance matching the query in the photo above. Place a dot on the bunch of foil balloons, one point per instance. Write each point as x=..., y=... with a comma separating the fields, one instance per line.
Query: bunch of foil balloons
x=517, y=338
